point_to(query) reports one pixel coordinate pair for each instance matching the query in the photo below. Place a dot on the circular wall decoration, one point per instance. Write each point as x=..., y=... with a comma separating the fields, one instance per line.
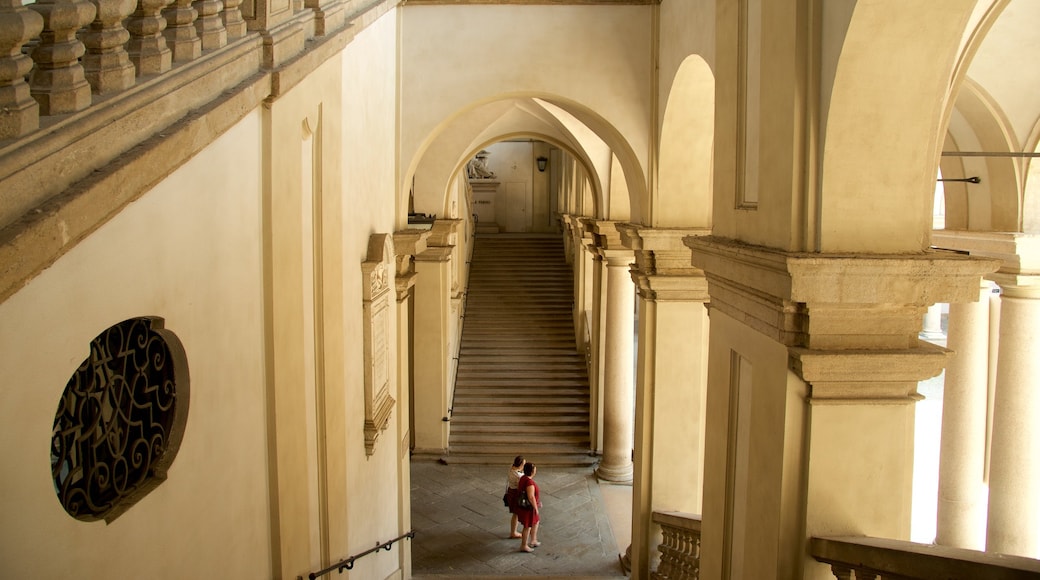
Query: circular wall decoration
x=120, y=420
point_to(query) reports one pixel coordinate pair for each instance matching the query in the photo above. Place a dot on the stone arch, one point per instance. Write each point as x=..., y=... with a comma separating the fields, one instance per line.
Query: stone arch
x=548, y=116
x=993, y=204
x=580, y=156
x=882, y=131
x=683, y=196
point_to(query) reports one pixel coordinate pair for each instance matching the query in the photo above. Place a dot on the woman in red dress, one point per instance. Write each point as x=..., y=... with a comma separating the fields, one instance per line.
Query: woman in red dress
x=529, y=517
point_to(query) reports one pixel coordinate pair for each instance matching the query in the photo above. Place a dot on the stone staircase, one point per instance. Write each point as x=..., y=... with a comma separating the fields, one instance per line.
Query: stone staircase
x=522, y=387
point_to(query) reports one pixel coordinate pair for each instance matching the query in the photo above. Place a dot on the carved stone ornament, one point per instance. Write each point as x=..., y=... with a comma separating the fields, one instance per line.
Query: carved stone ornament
x=376, y=273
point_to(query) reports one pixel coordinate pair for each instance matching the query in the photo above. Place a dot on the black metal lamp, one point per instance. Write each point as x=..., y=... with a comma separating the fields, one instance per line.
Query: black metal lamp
x=542, y=162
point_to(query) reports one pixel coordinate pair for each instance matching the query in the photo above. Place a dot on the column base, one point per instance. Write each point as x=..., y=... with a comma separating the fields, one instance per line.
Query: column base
x=618, y=474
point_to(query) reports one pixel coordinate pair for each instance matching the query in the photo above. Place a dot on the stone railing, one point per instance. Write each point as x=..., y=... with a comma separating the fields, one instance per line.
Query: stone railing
x=680, y=546
x=101, y=99
x=869, y=558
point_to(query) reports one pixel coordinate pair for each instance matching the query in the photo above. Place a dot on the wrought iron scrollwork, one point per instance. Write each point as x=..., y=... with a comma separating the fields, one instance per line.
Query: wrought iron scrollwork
x=119, y=421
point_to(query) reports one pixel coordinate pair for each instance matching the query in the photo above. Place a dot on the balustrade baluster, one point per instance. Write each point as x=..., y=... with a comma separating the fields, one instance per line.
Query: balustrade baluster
x=106, y=63
x=233, y=22
x=19, y=112
x=209, y=23
x=57, y=81
x=147, y=48
x=180, y=31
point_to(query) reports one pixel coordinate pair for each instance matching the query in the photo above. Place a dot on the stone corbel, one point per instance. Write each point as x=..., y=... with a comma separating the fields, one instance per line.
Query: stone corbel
x=375, y=296
x=408, y=244
x=443, y=232
x=662, y=269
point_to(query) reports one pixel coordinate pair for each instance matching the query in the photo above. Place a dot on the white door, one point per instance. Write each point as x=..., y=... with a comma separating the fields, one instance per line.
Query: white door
x=517, y=212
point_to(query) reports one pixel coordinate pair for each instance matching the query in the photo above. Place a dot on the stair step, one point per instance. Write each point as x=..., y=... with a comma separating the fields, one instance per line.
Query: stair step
x=521, y=384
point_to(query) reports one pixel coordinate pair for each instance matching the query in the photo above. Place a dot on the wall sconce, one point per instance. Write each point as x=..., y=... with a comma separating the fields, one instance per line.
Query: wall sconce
x=542, y=162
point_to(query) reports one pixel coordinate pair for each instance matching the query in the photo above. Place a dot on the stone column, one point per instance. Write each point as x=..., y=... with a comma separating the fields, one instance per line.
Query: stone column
x=1013, y=525
x=814, y=361
x=595, y=281
x=617, y=354
x=671, y=384
x=961, y=509
x=1014, y=476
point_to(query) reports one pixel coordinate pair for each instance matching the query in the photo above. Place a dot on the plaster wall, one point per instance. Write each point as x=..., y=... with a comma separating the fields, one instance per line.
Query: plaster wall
x=369, y=92
x=251, y=254
x=593, y=60
x=189, y=252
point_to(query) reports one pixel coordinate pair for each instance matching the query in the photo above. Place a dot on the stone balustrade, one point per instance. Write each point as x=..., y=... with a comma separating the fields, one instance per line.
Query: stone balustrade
x=680, y=546
x=60, y=56
x=100, y=99
x=869, y=558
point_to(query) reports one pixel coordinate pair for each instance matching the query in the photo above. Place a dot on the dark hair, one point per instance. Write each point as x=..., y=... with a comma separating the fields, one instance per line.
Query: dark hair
x=529, y=469
x=519, y=460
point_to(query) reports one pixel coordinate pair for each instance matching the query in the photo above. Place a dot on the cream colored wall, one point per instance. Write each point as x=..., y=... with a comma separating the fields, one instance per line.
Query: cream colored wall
x=369, y=183
x=251, y=253
x=469, y=55
x=189, y=252
x=686, y=116
x=767, y=526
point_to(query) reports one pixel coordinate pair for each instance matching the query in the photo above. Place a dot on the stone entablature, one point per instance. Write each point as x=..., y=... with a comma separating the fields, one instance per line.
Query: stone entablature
x=834, y=301
x=1019, y=256
x=850, y=322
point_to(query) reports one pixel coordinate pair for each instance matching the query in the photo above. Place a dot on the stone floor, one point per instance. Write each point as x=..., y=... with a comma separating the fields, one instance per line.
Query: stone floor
x=461, y=525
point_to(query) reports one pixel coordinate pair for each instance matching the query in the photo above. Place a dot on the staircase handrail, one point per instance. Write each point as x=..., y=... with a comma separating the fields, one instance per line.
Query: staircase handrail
x=348, y=564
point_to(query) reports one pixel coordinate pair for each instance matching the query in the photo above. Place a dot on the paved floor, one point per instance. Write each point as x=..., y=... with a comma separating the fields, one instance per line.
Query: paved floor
x=461, y=526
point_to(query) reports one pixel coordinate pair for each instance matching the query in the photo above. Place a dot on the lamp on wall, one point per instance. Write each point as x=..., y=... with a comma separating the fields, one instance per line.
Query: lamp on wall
x=542, y=162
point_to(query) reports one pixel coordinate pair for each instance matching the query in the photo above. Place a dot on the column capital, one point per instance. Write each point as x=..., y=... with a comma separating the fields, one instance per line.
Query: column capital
x=662, y=269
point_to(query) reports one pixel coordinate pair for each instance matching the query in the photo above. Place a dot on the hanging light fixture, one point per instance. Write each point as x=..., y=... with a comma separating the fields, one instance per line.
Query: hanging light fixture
x=542, y=162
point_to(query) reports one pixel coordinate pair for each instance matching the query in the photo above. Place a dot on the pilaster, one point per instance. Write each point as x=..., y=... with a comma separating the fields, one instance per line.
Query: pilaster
x=671, y=383
x=432, y=328
x=840, y=426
